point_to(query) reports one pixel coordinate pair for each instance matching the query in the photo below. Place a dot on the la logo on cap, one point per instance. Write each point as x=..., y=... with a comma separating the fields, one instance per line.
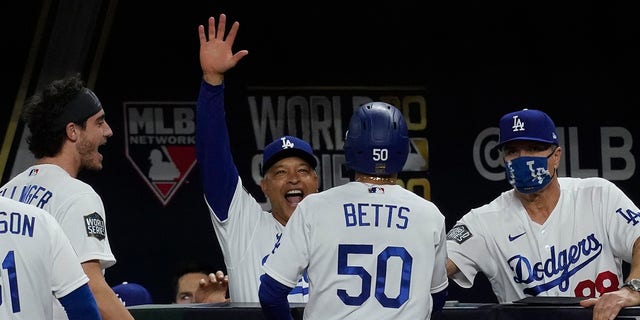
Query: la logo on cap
x=518, y=124
x=286, y=143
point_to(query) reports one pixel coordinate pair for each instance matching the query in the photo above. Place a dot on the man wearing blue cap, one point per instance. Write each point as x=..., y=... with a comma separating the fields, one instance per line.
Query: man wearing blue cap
x=132, y=294
x=247, y=234
x=549, y=236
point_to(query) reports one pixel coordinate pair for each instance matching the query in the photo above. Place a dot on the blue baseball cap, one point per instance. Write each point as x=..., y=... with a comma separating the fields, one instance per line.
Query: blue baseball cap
x=132, y=294
x=527, y=124
x=284, y=147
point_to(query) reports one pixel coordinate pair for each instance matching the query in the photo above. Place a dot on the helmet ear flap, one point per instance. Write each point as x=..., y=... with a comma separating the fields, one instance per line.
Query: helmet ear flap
x=377, y=140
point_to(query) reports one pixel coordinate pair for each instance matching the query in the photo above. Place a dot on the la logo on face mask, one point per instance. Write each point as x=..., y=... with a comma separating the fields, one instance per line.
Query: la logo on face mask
x=528, y=174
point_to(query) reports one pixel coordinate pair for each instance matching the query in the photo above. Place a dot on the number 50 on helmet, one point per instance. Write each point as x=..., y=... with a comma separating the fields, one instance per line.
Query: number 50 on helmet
x=377, y=140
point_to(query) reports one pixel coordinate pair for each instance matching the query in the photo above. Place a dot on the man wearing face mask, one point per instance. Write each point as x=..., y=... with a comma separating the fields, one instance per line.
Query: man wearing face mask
x=549, y=236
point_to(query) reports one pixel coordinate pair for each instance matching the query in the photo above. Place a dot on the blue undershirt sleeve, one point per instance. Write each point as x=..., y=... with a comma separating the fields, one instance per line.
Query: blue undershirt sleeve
x=439, y=298
x=273, y=299
x=213, y=150
x=80, y=304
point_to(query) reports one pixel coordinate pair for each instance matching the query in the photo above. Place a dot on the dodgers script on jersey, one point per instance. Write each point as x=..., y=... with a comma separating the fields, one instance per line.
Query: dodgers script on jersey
x=247, y=237
x=369, y=250
x=571, y=254
x=73, y=203
x=36, y=261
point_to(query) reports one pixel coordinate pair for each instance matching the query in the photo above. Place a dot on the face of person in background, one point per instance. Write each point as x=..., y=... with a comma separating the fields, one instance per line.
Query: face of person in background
x=187, y=286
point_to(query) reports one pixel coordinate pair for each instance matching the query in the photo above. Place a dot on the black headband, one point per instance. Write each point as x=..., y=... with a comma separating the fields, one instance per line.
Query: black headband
x=84, y=105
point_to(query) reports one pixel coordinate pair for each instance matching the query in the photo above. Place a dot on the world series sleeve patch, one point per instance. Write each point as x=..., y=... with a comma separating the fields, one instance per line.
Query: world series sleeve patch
x=95, y=226
x=459, y=234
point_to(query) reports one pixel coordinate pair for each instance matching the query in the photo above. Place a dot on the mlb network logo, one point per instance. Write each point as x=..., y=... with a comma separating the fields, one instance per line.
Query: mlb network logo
x=160, y=143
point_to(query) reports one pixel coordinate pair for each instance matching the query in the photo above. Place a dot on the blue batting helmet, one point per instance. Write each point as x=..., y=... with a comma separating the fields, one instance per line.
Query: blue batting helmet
x=377, y=141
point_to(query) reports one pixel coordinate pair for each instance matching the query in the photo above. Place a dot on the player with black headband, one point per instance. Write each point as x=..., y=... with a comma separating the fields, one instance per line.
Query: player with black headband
x=67, y=126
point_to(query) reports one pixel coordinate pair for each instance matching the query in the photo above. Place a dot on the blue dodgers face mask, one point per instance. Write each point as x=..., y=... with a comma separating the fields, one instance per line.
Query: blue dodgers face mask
x=528, y=174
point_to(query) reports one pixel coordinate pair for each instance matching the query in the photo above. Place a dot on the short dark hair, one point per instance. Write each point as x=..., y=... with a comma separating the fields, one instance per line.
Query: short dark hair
x=44, y=140
x=191, y=266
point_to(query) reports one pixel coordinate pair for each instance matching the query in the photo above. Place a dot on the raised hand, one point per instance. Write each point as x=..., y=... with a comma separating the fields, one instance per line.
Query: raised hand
x=216, y=55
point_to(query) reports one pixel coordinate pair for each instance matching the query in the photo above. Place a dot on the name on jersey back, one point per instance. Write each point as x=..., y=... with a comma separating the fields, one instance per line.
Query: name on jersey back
x=17, y=223
x=30, y=194
x=376, y=215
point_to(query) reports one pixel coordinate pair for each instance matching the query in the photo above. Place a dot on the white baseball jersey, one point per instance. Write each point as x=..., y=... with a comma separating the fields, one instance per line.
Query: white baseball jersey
x=246, y=233
x=246, y=238
x=577, y=252
x=371, y=251
x=36, y=260
x=73, y=203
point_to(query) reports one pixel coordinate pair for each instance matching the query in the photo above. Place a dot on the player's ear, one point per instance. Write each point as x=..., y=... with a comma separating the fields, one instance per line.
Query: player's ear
x=263, y=186
x=555, y=157
x=558, y=154
x=71, y=130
